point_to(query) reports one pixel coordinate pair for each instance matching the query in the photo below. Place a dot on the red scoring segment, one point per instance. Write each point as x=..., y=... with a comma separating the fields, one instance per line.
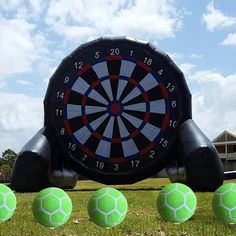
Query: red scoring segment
x=84, y=69
x=144, y=66
x=68, y=129
x=115, y=108
x=111, y=58
x=165, y=122
x=66, y=96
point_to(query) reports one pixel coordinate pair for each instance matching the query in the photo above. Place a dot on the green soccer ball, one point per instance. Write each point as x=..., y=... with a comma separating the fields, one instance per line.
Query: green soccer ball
x=7, y=203
x=52, y=207
x=107, y=207
x=176, y=203
x=224, y=203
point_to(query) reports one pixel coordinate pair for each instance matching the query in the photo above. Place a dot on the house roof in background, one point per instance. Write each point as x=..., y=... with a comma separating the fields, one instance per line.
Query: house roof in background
x=226, y=136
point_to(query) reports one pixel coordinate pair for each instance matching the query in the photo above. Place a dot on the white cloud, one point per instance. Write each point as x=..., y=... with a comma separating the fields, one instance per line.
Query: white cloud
x=84, y=20
x=186, y=68
x=21, y=116
x=176, y=56
x=213, y=99
x=24, y=82
x=230, y=40
x=15, y=44
x=20, y=46
x=157, y=19
x=216, y=19
x=25, y=49
x=195, y=56
x=31, y=8
x=36, y=6
x=10, y=5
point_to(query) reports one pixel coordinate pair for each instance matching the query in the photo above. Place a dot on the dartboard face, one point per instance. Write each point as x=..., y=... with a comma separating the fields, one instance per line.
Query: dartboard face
x=115, y=108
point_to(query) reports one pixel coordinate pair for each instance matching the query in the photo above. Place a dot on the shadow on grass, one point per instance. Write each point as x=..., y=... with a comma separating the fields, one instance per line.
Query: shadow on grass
x=123, y=189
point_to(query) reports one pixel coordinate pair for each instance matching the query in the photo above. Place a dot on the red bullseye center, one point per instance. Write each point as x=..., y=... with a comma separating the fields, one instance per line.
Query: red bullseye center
x=115, y=108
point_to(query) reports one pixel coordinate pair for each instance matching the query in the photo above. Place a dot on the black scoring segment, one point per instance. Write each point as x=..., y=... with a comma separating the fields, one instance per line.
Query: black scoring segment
x=113, y=67
x=75, y=98
x=138, y=73
x=89, y=76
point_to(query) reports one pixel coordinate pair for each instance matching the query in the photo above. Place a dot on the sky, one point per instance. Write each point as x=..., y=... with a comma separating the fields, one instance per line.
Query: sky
x=35, y=35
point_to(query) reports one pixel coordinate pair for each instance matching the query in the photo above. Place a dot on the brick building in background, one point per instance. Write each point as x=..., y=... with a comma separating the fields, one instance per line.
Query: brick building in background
x=225, y=144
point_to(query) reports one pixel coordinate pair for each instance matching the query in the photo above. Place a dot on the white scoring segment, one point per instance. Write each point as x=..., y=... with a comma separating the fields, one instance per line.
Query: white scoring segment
x=76, y=110
x=148, y=82
x=109, y=129
x=97, y=97
x=73, y=111
x=80, y=86
x=121, y=87
x=101, y=69
x=106, y=84
x=123, y=131
x=104, y=149
x=82, y=134
x=93, y=109
x=129, y=147
x=133, y=120
x=126, y=68
x=137, y=107
x=158, y=106
x=96, y=123
x=134, y=93
x=150, y=131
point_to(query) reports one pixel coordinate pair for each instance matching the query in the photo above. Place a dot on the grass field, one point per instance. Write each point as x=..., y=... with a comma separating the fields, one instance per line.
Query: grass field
x=142, y=217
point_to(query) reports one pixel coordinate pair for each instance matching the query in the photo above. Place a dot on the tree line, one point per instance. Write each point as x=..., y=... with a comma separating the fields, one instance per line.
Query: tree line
x=7, y=161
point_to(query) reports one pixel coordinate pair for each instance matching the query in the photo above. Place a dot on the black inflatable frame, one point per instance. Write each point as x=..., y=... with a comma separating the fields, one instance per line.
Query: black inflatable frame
x=190, y=157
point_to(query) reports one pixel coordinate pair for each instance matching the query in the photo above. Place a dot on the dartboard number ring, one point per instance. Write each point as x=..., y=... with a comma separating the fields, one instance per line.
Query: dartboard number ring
x=116, y=108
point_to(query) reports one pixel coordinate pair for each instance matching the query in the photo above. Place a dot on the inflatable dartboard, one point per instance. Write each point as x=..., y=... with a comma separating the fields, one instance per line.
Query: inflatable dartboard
x=117, y=110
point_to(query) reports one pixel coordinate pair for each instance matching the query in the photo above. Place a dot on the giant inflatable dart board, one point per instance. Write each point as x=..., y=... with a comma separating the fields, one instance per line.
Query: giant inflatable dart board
x=117, y=110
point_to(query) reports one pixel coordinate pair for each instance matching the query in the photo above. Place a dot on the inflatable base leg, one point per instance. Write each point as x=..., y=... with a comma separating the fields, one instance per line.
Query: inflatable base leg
x=33, y=168
x=198, y=156
x=65, y=178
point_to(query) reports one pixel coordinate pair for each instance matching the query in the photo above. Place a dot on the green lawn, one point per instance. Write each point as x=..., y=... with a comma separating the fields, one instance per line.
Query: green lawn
x=142, y=217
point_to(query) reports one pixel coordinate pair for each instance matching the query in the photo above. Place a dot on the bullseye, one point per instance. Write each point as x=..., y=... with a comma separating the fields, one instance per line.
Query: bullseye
x=115, y=108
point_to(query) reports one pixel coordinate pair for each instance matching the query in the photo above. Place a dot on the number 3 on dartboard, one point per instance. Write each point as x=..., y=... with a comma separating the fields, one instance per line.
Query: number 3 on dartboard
x=116, y=167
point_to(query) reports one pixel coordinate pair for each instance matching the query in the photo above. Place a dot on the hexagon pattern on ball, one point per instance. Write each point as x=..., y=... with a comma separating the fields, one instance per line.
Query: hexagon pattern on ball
x=107, y=207
x=176, y=203
x=7, y=203
x=224, y=203
x=52, y=207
